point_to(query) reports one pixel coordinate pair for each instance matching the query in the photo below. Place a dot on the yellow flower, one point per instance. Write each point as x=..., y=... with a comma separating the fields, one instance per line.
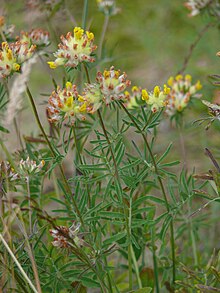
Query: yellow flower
x=157, y=98
x=8, y=61
x=181, y=92
x=91, y=98
x=112, y=84
x=134, y=99
x=74, y=49
x=65, y=103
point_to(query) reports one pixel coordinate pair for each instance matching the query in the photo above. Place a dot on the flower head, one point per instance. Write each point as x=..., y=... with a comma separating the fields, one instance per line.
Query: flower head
x=107, y=7
x=133, y=100
x=63, y=235
x=8, y=61
x=74, y=49
x=22, y=50
x=13, y=55
x=195, y=6
x=91, y=98
x=28, y=166
x=60, y=235
x=112, y=84
x=157, y=98
x=38, y=37
x=181, y=92
x=64, y=103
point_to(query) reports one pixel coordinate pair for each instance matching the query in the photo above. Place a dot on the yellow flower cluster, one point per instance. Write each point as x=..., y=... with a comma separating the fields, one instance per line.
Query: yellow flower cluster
x=91, y=98
x=65, y=103
x=13, y=55
x=112, y=84
x=133, y=99
x=157, y=98
x=74, y=49
x=8, y=61
x=181, y=92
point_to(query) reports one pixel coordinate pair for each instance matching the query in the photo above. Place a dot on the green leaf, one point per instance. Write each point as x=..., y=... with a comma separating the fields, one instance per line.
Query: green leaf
x=114, y=238
x=120, y=153
x=156, y=199
x=3, y=129
x=165, y=153
x=94, y=167
x=89, y=283
x=170, y=164
x=165, y=226
x=111, y=215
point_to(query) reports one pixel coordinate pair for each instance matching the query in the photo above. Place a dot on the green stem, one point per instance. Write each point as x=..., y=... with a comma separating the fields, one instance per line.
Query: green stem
x=161, y=187
x=87, y=73
x=104, y=29
x=130, y=248
x=193, y=240
x=117, y=177
x=54, y=155
x=81, y=162
x=183, y=149
x=136, y=268
x=76, y=146
x=85, y=14
x=156, y=275
x=109, y=144
x=151, y=155
x=29, y=203
x=124, y=208
x=129, y=267
x=172, y=240
x=192, y=47
x=30, y=252
x=18, y=264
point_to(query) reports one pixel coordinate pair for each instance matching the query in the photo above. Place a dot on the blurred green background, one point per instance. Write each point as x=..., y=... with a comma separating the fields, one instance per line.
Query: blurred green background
x=149, y=41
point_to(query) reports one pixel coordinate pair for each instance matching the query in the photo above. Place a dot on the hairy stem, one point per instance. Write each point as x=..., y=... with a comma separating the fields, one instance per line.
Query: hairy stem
x=54, y=155
x=172, y=241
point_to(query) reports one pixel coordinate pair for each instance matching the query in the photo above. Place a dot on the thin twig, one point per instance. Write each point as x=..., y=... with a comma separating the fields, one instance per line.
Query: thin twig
x=192, y=47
